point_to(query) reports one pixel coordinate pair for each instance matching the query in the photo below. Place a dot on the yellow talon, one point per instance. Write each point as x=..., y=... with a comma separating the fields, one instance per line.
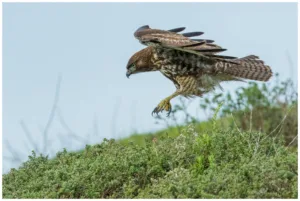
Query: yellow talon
x=163, y=105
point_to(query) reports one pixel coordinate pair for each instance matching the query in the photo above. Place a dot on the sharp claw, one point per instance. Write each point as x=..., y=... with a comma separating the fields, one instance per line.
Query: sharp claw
x=169, y=112
x=161, y=107
x=155, y=111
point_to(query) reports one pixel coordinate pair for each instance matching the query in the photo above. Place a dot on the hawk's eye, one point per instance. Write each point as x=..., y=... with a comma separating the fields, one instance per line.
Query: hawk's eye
x=132, y=67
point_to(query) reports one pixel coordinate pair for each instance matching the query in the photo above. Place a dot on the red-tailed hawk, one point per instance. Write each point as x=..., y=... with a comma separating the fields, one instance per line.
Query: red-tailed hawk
x=192, y=64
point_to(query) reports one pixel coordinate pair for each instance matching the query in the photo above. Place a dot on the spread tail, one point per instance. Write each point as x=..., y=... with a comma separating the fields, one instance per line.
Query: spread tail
x=249, y=67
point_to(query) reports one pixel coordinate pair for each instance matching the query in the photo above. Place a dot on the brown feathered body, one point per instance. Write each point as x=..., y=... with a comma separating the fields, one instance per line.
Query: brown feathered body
x=194, y=75
x=192, y=64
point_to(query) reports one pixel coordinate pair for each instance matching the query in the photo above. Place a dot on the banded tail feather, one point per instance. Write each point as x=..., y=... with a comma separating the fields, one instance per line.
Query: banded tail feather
x=249, y=67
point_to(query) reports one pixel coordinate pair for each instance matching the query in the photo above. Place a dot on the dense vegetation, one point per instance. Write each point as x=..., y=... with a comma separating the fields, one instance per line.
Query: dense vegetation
x=248, y=149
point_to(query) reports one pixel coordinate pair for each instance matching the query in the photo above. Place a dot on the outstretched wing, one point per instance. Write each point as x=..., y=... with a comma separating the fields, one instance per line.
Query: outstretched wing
x=172, y=39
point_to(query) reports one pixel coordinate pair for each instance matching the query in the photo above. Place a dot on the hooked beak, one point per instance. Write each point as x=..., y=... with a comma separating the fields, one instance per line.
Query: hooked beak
x=128, y=73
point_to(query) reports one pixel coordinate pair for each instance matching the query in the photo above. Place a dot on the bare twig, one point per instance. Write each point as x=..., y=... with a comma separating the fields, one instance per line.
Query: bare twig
x=251, y=119
x=29, y=136
x=62, y=120
x=15, y=155
x=87, y=140
x=133, y=117
x=235, y=123
x=281, y=122
x=114, y=117
x=290, y=61
x=78, y=138
x=63, y=138
x=52, y=114
x=70, y=133
x=292, y=141
x=256, y=145
x=9, y=158
x=52, y=149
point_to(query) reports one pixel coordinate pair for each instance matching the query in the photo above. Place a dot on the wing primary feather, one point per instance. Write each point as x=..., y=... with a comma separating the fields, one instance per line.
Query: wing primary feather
x=176, y=30
x=211, y=50
x=191, y=34
x=170, y=39
x=195, y=45
x=206, y=40
x=138, y=32
x=211, y=45
x=223, y=57
x=143, y=28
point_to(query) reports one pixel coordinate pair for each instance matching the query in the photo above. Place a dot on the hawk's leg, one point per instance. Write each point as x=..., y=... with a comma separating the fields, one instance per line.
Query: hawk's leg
x=165, y=104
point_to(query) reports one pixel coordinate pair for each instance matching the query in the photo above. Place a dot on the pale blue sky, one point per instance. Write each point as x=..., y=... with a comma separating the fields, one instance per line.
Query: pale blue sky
x=89, y=44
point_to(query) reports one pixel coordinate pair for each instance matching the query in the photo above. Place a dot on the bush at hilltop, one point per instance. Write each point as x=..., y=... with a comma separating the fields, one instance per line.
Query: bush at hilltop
x=212, y=164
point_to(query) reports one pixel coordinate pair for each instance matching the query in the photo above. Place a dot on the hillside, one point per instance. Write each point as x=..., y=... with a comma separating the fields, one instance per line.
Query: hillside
x=249, y=151
x=217, y=164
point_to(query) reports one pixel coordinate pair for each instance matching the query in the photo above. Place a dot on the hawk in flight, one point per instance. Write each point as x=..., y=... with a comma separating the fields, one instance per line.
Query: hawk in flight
x=192, y=64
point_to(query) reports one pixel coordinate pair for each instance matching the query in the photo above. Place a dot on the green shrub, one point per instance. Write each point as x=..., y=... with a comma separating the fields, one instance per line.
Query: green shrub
x=270, y=108
x=217, y=164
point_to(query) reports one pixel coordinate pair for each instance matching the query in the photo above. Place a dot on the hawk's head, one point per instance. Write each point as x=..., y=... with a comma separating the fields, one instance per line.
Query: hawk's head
x=140, y=62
